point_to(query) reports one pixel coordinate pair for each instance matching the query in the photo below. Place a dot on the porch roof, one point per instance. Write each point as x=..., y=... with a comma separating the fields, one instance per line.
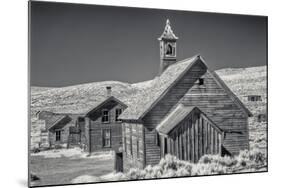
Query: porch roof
x=176, y=116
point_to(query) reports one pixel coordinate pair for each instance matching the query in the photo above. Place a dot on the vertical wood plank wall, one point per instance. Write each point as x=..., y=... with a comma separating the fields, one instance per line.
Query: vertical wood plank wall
x=133, y=155
x=193, y=138
x=212, y=99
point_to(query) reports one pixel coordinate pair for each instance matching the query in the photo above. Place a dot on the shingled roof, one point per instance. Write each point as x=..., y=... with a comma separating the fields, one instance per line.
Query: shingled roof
x=99, y=105
x=174, y=118
x=143, y=101
x=54, y=120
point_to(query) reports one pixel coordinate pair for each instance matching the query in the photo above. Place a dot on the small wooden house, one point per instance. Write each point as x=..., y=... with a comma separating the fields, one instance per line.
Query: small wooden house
x=97, y=129
x=59, y=127
x=103, y=128
x=187, y=111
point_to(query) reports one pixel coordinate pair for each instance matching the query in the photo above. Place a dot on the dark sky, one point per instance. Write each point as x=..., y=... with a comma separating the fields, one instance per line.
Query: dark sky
x=73, y=43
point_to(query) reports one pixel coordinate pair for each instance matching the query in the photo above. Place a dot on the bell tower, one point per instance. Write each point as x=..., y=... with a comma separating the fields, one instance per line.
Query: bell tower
x=168, y=47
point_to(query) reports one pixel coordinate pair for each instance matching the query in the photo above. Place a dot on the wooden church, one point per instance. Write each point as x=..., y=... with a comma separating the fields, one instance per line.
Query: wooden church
x=187, y=111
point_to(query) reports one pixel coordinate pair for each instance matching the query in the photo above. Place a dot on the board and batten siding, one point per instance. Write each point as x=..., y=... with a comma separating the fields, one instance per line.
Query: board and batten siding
x=212, y=99
x=133, y=145
x=194, y=137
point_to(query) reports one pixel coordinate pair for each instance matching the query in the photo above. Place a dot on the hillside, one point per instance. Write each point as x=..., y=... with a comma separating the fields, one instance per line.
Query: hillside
x=81, y=98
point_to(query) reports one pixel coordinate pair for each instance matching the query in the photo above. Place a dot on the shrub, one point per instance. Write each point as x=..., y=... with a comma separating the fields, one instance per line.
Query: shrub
x=170, y=166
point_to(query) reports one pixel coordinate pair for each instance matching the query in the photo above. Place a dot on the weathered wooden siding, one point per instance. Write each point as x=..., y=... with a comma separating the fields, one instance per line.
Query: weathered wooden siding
x=133, y=155
x=92, y=136
x=212, y=99
x=152, y=147
x=64, y=135
x=192, y=138
x=96, y=141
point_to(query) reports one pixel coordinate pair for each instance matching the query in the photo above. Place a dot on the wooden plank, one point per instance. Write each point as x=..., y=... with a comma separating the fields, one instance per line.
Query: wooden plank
x=182, y=143
x=215, y=142
x=211, y=140
x=179, y=143
x=208, y=138
x=187, y=140
x=192, y=143
x=220, y=144
x=184, y=140
x=195, y=139
x=199, y=138
x=203, y=137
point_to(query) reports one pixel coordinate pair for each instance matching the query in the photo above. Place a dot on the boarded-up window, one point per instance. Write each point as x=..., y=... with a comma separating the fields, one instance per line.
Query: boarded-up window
x=58, y=135
x=106, y=137
x=105, y=116
x=118, y=111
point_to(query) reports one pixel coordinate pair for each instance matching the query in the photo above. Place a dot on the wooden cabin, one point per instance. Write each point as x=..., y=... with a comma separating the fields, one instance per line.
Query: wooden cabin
x=187, y=111
x=103, y=128
x=60, y=129
x=97, y=129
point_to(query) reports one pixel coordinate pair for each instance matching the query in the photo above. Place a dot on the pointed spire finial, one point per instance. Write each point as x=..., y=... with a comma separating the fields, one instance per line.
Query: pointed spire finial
x=168, y=22
x=168, y=32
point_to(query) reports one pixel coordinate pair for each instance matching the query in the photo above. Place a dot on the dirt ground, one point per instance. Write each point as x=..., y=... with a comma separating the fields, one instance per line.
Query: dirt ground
x=62, y=170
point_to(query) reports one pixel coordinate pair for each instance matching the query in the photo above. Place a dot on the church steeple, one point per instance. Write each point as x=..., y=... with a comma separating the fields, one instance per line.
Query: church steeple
x=167, y=47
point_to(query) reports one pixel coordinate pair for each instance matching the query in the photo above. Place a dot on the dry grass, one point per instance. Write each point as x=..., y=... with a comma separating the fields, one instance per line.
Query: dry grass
x=170, y=166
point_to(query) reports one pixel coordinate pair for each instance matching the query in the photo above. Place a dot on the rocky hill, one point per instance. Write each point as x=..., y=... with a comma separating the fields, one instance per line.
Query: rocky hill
x=80, y=98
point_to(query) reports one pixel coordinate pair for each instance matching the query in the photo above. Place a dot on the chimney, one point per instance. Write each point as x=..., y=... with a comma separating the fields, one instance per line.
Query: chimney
x=108, y=91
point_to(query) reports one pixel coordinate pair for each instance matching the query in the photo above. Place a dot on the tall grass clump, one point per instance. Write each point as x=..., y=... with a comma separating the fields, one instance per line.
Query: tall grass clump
x=170, y=166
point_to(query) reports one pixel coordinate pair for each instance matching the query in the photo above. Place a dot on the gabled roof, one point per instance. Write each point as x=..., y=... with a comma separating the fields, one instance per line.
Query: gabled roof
x=145, y=100
x=168, y=32
x=55, y=120
x=174, y=118
x=99, y=105
x=178, y=115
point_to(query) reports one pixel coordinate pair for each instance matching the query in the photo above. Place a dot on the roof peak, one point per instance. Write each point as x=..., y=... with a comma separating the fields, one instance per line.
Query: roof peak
x=168, y=32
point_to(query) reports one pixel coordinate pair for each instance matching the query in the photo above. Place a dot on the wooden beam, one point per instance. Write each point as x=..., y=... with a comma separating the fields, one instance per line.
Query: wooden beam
x=187, y=140
x=192, y=141
x=184, y=140
x=196, y=139
x=199, y=137
x=212, y=140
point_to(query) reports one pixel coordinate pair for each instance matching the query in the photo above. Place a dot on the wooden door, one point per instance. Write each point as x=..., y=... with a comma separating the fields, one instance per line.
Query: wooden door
x=118, y=166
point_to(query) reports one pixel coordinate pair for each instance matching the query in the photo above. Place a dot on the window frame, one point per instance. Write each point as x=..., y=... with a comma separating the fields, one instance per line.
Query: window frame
x=201, y=81
x=104, y=138
x=103, y=115
x=173, y=48
x=117, y=115
x=58, y=135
